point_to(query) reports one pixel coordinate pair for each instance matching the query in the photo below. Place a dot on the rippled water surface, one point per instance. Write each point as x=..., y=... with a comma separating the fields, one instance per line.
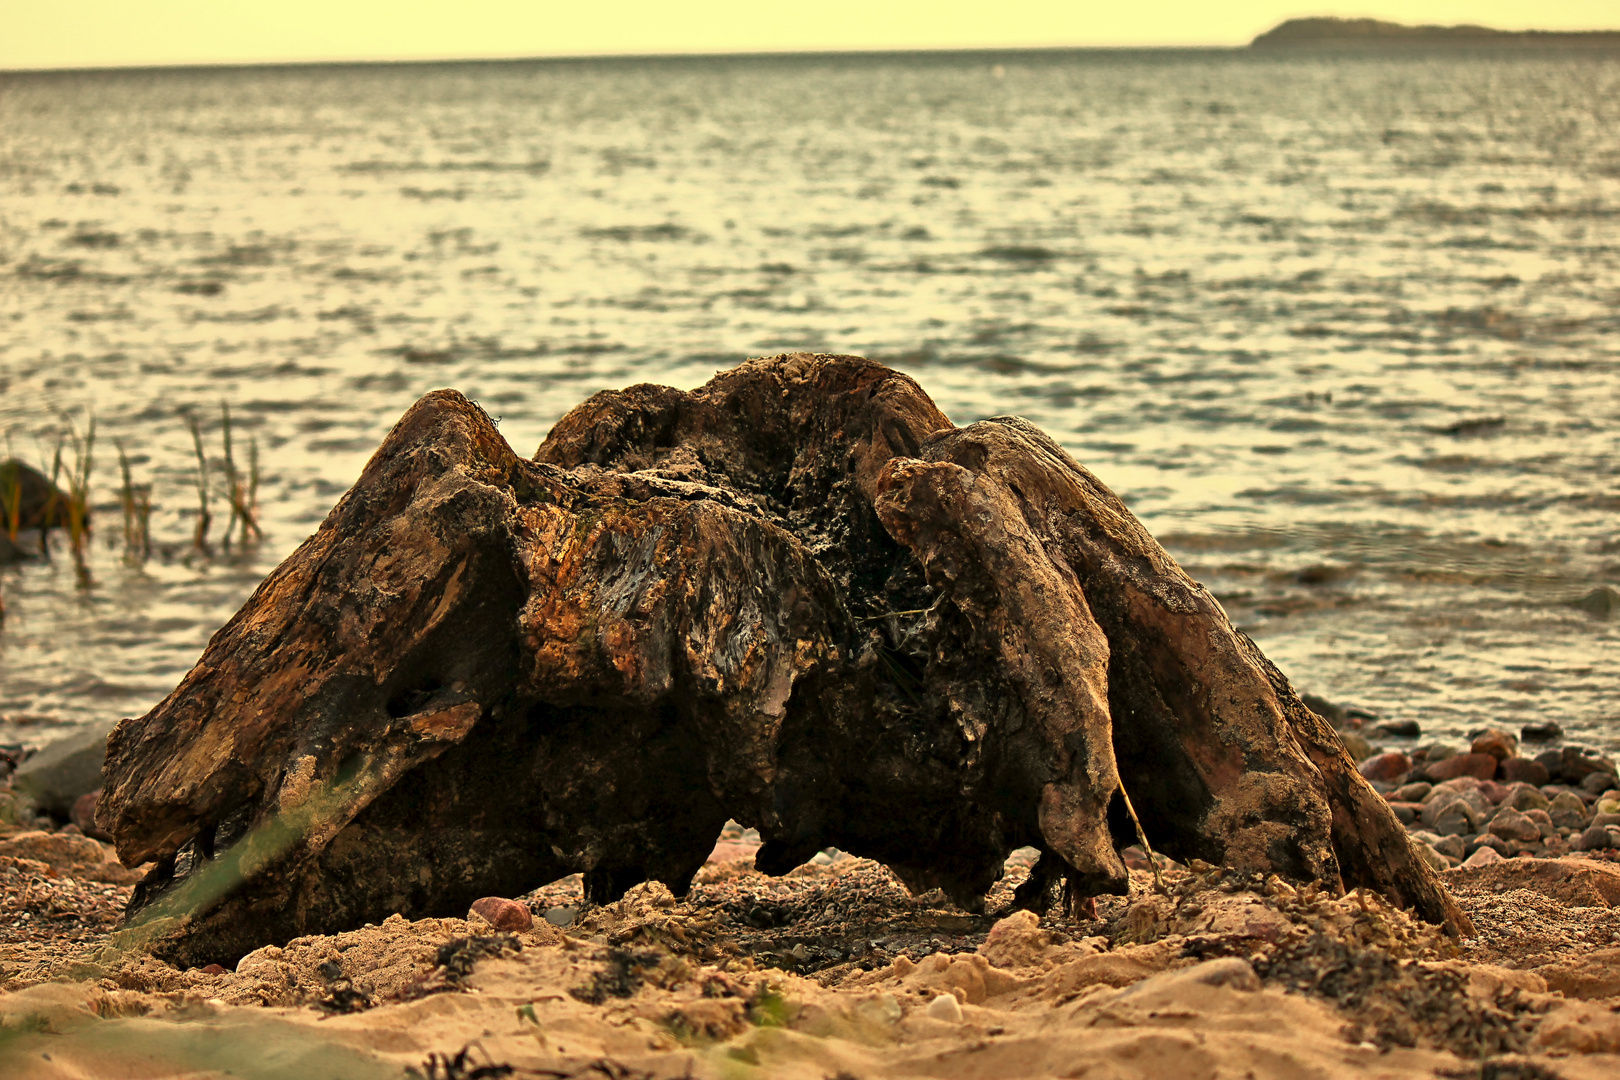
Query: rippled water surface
x=1342, y=331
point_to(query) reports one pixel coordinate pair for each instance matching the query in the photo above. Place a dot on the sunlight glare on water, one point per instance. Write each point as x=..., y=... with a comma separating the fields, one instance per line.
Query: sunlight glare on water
x=1341, y=330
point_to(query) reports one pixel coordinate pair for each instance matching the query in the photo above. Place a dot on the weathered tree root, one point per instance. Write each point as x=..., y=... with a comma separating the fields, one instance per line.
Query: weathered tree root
x=798, y=597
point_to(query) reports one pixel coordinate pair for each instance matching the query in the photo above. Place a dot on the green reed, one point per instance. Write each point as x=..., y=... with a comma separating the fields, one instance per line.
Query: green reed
x=53, y=496
x=136, y=501
x=242, y=490
x=199, y=538
x=78, y=493
x=66, y=504
x=11, y=494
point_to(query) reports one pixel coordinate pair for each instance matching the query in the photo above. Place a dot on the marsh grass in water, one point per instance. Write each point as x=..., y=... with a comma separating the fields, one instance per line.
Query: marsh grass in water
x=136, y=503
x=242, y=491
x=65, y=504
x=78, y=493
x=199, y=537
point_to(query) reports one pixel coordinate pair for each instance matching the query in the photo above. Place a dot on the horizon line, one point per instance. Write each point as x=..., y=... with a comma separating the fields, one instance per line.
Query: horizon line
x=759, y=54
x=1326, y=46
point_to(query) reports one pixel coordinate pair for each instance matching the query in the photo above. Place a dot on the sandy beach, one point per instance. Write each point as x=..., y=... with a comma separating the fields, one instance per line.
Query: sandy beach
x=835, y=971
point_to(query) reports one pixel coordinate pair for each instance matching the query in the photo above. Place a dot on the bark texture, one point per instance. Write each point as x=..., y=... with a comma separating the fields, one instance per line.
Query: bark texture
x=798, y=596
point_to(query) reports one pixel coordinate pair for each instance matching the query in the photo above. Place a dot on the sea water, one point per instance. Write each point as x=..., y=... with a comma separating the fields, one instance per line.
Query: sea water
x=1342, y=330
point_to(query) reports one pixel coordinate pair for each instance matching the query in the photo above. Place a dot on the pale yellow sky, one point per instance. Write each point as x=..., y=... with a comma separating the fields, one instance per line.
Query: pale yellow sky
x=98, y=33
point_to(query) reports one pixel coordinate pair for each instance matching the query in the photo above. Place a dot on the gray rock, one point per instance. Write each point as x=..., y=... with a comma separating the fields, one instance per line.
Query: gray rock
x=1568, y=811
x=1509, y=824
x=1413, y=792
x=1440, y=794
x=561, y=916
x=1598, y=782
x=1523, y=797
x=1465, y=790
x=1434, y=752
x=1456, y=818
x=1543, y=822
x=55, y=777
x=1575, y=763
x=1324, y=708
x=1544, y=731
x=1433, y=857
x=1450, y=846
x=1602, y=602
x=1496, y=843
x=1594, y=839
x=1603, y=821
x=1358, y=748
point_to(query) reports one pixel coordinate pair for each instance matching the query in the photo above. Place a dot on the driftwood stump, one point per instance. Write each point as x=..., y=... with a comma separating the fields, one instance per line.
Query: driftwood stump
x=798, y=597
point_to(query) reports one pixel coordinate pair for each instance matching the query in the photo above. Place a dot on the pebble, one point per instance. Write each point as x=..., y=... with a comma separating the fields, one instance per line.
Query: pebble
x=1399, y=729
x=1572, y=764
x=1386, y=767
x=84, y=815
x=945, y=1007
x=561, y=916
x=1413, y=792
x=1435, y=752
x=1479, y=766
x=1602, y=602
x=1485, y=856
x=1443, y=789
x=1429, y=854
x=1501, y=745
x=1568, y=811
x=56, y=776
x=1595, y=838
x=1454, y=819
x=1598, y=782
x=1324, y=708
x=1510, y=824
x=1450, y=846
x=502, y=914
x=1544, y=731
x=1524, y=770
x=1357, y=747
x=1524, y=797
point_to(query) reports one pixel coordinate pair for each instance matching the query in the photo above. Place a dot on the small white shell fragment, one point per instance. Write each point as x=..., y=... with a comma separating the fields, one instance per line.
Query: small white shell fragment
x=946, y=1008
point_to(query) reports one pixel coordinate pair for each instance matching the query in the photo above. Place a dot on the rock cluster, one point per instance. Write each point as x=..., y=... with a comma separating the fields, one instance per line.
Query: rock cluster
x=1476, y=806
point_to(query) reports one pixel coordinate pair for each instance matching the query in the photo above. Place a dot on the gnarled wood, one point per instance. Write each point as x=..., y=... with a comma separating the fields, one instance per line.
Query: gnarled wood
x=797, y=596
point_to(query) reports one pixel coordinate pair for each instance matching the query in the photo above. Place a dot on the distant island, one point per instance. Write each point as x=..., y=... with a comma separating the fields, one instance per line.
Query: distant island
x=1373, y=34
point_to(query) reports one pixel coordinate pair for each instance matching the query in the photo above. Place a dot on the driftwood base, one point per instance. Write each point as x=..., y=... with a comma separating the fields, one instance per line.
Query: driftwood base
x=799, y=597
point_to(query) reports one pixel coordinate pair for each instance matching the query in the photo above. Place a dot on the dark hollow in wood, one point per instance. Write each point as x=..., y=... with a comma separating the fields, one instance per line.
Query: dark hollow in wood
x=797, y=596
